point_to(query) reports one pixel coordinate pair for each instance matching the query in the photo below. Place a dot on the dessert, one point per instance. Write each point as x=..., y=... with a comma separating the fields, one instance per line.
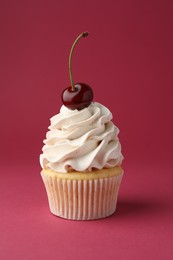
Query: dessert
x=81, y=157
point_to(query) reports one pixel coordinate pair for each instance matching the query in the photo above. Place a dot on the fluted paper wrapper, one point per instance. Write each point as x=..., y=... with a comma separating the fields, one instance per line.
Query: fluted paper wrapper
x=82, y=199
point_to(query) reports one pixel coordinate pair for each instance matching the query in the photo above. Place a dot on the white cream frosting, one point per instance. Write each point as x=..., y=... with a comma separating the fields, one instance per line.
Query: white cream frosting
x=81, y=140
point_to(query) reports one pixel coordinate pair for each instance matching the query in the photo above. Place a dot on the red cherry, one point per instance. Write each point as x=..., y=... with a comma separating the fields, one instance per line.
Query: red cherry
x=80, y=95
x=78, y=98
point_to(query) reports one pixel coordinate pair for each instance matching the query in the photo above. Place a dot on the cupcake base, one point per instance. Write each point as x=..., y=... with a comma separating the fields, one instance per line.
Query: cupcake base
x=83, y=196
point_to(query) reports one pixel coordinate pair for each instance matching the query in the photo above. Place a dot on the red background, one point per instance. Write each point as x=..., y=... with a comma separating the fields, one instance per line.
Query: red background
x=128, y=61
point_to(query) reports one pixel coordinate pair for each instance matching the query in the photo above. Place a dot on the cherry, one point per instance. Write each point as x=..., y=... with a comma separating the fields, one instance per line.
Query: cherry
x=80, y=95
x=79, y=98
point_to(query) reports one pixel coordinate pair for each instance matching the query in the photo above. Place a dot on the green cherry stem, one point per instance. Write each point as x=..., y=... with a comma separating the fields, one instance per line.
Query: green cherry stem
x=84, y=34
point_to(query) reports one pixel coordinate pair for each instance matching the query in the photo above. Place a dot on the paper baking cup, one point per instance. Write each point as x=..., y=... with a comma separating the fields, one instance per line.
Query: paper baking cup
x=82, y=199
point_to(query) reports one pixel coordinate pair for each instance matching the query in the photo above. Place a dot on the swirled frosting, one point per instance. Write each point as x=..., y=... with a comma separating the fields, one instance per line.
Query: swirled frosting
x=81, y=140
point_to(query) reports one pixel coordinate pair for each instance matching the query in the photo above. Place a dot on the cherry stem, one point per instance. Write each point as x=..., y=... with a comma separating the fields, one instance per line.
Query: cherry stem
x=84, y=34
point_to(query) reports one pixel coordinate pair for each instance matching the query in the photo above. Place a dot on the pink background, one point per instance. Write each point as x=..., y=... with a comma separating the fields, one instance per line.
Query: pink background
x=128, y=61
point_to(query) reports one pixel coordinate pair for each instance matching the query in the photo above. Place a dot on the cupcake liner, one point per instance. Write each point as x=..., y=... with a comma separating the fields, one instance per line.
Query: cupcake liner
x=82, y=199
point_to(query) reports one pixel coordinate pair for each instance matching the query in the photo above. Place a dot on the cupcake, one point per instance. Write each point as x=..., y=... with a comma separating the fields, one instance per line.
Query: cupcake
x=81, y=157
